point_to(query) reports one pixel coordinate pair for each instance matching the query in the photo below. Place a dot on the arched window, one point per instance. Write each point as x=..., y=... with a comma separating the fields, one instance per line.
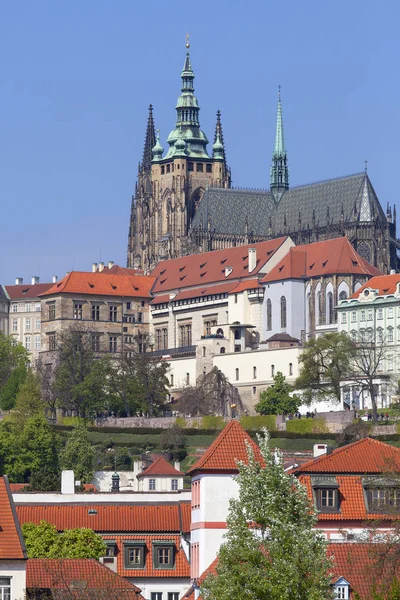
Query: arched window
x=364, y=250
x=283, y=312
x=290, y=368
x=237, y=374
x=329, y=299
x=343, y=296
x=222, y=351
x=318, y=309
x=272, y=370
x=254, y=372
x=269, y=315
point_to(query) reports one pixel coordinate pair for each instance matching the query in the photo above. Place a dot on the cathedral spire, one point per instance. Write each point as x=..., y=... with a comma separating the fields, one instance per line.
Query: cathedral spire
x=149, y=142
x=219, y=133
x=279, y=169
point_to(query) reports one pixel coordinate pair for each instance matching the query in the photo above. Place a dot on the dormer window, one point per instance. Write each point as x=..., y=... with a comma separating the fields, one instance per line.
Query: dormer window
x=382, y=495
x=163, y=555
x=326, y=494
x=341, y=589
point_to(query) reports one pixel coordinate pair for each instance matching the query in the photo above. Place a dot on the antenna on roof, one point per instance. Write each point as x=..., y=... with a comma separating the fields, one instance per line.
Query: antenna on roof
x=366, y=166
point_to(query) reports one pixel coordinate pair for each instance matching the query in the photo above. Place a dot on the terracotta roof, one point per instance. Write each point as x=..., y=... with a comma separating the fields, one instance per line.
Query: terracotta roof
x=364, y=456
x=209, y=267
x=385, y=284
x=196, y=292
x=117, y=270
x=12, y=545
x=110, y=517
x=210, y=569
x=160, y=467
x=181, y=568
x=17, y=487
x=226, y=450
x=76, y=574
x=247, y=284
x=20, y=292
x=103, y=284
x=336, y=256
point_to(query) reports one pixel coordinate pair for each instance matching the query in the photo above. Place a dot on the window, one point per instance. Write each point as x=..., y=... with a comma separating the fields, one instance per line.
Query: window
x=5, y=588
x=208, y=168
x=222, y=351
x=28, y=307
x=254, y=372
x=327, y=499
x=95, y=312
x=341, y=592
x=52, y=341
x=283, y=312
x=353, y=316
x=254, y=389
x=269, y=315
x=28, y=342
x=353, y=336
x=110, y=549
x=163, y=555
x=112, y=343
x=370, y=315
x=236, y=298
x=174, y=485
x=15, y=308
x=134, y=554
x=384, y=498
x=379, y=335
x=199, y=167
x=185, y=335
x=37, y=342
x=380, y=313
x=27, y=324
x=156, y=596
x=272, y=370
x=190, y=166
x=362, y=318
x=172, y=379
x=15, y=325
x=290, y=368
x=128, y=306
x=343, y=295
x=174, y=595
x=37, y=307
x=96, y=342
x=113, y=313
x=329, y=299
x=52, y=312
x=78, y=311
x=152, y=485
x=390, y=334
x=390, y=312
x=37, y=323
x=344, y=317
x=237, y=374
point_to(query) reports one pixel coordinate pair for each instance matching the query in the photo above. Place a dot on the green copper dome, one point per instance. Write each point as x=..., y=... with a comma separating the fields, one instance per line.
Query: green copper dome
x=218, y=148
x=158, y=150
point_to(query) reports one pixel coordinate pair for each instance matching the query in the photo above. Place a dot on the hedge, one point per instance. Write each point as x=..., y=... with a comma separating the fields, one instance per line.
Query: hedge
x=258, y=422
x=211, y=422
x=316, y=425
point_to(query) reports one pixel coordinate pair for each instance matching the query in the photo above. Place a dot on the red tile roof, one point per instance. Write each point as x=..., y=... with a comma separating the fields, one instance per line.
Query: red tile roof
x=75, y=574
x=385, y=284
x=103, y=284
x=364, y=456
x=17, y=487
x=181, y=568
x=209, y=267
x=12, y=545
x=160, y=467
x=20, y=292
x=336, y=256
x=226, y=450
x=211, y=569
x=110, y=517
x=247, y=284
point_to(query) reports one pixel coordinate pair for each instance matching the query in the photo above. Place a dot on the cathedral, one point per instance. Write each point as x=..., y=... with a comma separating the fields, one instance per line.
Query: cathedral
x=184, y=203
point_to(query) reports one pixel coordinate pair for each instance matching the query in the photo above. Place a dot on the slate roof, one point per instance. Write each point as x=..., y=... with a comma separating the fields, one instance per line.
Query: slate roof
x=160, y=467
x=230, y=210
x=161, y=517
x=78, y=576
x=12, y=545
x=103, y=284
x=226, y=450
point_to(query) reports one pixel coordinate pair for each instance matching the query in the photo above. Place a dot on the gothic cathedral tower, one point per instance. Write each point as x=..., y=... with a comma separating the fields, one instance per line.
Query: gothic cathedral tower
x=170, y=186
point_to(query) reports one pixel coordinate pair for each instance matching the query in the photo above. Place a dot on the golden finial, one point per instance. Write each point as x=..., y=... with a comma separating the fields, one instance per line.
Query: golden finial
x=187, y=41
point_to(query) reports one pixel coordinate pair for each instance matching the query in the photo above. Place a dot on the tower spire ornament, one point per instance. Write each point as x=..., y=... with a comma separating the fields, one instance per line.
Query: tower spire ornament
x=279, y=170
x=149, y=142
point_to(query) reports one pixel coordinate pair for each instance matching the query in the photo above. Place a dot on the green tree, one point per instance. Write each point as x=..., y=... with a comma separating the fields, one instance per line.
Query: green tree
x=78, y=454
x=278, y=399
x=325, y=362
x=9, y=391
x=28, y=402
x=43, y=541
x=271, y=548
x=13, y=364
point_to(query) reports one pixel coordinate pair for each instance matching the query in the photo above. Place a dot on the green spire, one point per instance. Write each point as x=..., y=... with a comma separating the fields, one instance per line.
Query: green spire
x=279, y=168
x=158, y=149
x=187, y=117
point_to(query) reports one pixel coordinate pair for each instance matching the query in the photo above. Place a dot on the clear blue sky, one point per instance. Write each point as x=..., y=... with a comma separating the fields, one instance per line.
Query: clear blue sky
x=76, y=79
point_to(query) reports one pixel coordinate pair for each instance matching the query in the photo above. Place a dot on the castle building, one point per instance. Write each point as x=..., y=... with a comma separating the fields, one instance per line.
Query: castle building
x=184, y=203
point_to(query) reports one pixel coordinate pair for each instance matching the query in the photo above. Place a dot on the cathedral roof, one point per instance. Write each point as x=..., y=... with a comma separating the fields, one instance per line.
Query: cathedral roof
x=321, y=204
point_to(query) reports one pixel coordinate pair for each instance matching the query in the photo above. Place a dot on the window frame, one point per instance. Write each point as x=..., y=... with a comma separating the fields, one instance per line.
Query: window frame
x=5, y=586
x=137, y=545
x=163, y=545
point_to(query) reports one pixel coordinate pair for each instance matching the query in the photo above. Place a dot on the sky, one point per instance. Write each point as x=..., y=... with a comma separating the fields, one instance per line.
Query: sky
x=76, y=79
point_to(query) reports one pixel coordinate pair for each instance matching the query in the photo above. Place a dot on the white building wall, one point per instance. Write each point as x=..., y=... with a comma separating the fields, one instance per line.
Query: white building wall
x=293, y=291
x=179, y=370
x=16, y=570
x=163, y=585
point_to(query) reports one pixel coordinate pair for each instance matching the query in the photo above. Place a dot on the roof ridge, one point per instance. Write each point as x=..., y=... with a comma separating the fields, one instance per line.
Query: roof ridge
x=320, y=181
x=324, y=457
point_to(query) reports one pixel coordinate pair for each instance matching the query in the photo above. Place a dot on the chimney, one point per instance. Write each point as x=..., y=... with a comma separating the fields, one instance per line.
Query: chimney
x=101, y=267
x=110, y=264
x=393, y=271
x=67, y=482
x=177, y=465
x=252, y=259
x=320, y=450
x=35, y=280
x=228, y=271
x=19, y=281
x=54, y=279
x=94, y=267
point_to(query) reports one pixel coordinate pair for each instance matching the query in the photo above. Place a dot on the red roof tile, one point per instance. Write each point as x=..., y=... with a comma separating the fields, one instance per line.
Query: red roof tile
x=385, y=284
x=110, y=517
x=103, y=284
x=48, y=573
x=247, y=284
x=20, y=292
x=160, y=467
x=181, y=568
x=226, y=450
x=12, y=545
x=336, y=256
x=364, y=456
x=209, y=267
x=211, y=569
x=17, y=487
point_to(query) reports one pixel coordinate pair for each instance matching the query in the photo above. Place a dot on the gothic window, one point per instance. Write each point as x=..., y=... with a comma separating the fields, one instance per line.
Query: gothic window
x=329, y=299
x=269, y=315
x=319, y=308
x=343, y=296
x=309, y=310
x=283, y=312
x=364, y=250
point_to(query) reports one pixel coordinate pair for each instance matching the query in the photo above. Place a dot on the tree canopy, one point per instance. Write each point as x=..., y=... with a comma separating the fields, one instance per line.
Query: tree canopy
x=43, y=541
x=278, y=399
x=13, y=364
x=213, y=394
x=78, y=454
x=271, y=548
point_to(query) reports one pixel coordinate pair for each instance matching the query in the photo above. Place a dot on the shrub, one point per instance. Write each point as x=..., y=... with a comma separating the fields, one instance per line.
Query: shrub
x=213, y=422
x=74, y=421
x=259, y=422
x=180, y=422
x=317, y=425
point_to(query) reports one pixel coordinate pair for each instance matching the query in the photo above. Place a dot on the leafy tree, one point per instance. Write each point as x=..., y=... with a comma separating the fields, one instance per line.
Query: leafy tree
x=271, y=548
x=78, y=454
x=213, y=394
x=43, y=541
x=325, y=362
x=13, y=364
x=277, y=399
x=28, y=402
x=9, y=391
